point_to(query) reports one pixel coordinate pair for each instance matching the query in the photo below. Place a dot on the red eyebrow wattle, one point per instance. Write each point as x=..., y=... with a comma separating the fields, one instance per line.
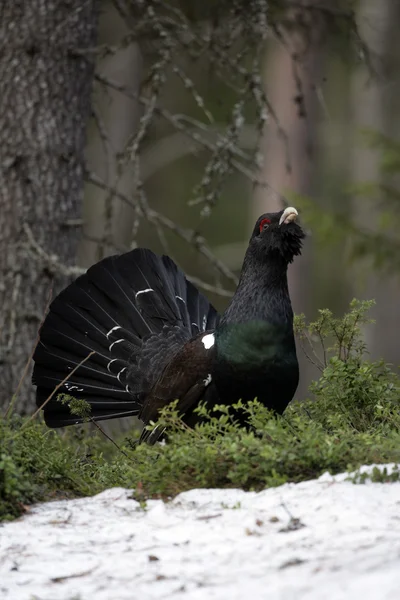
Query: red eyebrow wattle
x=263, y=222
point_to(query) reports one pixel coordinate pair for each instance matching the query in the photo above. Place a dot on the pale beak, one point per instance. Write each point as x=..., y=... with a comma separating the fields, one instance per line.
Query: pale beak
x=289, y=214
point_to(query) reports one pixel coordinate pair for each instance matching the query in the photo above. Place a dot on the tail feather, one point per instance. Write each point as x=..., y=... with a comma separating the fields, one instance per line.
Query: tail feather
x=62, y=419
x=179, y=289
x=98, y=297
x=112, y=310
x=203, y=315
x=143, y=285
x=196, y=312
x=77, y=384
x=51, y=359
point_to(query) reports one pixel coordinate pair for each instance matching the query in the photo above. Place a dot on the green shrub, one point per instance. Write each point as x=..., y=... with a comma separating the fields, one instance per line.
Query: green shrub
x=38, y=463
x=219, y=453
x=352, y=391
x=351, y=419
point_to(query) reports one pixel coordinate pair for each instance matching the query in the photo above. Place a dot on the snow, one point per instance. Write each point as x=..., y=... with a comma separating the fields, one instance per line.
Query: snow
x=322, y=539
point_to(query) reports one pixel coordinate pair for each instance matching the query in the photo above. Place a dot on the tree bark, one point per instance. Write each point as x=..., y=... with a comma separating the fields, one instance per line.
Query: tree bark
x=46, y=80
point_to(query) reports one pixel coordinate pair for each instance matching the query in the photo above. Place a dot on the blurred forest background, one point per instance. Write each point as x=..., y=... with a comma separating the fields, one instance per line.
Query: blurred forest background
x=173, y=125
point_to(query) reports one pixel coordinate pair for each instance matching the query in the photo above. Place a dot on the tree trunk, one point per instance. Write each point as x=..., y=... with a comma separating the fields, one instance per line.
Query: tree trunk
x=44, y=105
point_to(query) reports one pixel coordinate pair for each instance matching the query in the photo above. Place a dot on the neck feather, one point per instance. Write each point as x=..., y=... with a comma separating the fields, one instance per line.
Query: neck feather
x=262, y=293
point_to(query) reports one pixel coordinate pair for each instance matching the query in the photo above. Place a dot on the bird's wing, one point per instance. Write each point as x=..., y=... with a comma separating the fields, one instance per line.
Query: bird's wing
x=185, y=378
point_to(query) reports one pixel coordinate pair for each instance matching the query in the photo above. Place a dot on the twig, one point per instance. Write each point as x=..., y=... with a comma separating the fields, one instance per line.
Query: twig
x=108, y=437
x=176, y=122
x=52, y=261
x=104, y=138
x=58, y=386
x=188, y=235
x=72, y=223
x=189, y=85
x=197, y=241
x=15, y=395
x=210, y=288
x=320, y=363
x=308, y=356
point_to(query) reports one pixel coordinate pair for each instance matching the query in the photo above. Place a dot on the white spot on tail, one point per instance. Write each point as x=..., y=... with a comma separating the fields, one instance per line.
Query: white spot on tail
x=113, y=329
x=119, y=374
x=116, y=342
x=208, y=341
x=179, y=298
x=143, y=291
x=204, y=323
x=207, y=380
x=110, y=363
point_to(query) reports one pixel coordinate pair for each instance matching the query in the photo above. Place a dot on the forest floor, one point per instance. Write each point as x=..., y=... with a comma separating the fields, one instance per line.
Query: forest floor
x=322, y=539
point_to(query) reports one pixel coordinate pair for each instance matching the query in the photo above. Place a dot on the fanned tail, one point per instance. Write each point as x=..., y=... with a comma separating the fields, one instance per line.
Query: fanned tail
x=121, y=303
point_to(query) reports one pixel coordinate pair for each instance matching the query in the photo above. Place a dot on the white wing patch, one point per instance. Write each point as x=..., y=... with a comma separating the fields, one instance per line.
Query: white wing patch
x=208, y=341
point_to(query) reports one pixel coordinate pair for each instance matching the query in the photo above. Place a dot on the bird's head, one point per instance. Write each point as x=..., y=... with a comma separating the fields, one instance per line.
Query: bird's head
x=277, y=235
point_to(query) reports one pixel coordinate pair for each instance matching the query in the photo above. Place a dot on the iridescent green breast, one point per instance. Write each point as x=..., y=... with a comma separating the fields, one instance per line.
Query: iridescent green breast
x=256, y=359
x=254, y=343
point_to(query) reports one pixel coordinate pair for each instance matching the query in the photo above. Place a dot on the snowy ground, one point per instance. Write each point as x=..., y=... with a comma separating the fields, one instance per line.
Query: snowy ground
x=323, y=539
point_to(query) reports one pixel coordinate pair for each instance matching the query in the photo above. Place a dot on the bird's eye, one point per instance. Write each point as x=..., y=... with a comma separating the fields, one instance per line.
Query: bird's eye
x=264, y=224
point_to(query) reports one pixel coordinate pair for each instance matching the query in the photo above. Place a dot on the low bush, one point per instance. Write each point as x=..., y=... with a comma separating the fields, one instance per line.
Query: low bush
x=352, y=418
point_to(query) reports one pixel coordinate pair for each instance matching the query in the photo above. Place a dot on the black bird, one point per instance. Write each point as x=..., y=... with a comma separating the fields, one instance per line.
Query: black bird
x=157, y=338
